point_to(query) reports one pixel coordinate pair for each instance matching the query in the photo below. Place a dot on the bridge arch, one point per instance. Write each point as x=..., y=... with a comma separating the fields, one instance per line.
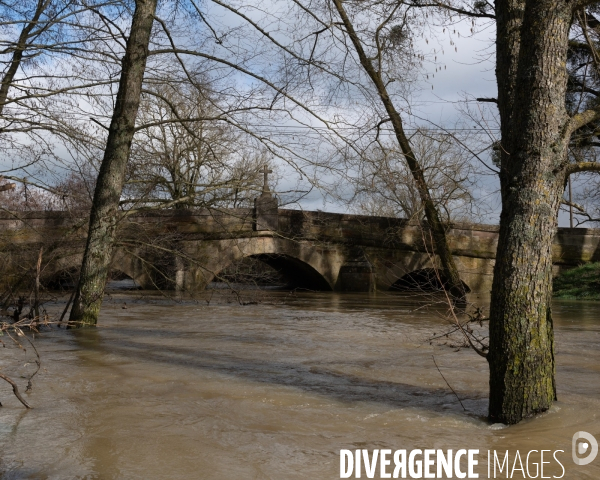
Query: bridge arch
x=423, y=280
x=413, y=270
x=305, y=265
x=60, y=279
x=63, y=272
x=295, y=272
x=145, y=272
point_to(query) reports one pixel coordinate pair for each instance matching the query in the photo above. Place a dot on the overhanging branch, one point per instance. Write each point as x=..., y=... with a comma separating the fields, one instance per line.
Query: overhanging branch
x=582, y=167
x=580, y=120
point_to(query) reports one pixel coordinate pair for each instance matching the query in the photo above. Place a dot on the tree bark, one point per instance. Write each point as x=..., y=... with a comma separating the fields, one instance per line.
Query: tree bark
x=532, y=81
x=509, y=19
x=104, y=213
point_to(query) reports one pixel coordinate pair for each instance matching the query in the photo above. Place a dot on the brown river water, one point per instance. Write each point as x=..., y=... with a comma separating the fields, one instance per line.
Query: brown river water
x=274, y=390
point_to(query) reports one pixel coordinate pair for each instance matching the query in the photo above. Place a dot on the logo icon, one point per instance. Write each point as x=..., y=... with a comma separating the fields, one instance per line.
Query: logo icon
x=588, y=446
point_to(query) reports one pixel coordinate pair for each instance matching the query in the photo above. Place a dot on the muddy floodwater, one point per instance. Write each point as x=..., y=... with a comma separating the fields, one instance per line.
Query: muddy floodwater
x=274, y=390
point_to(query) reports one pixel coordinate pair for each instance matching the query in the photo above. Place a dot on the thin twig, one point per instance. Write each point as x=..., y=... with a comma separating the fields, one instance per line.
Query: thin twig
x=38, y=362
x=457, y=397
x=36, y=303
x=66, y=308
x=452, y=307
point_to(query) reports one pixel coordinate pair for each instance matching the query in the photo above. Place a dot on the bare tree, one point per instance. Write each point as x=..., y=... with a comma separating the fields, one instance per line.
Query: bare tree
x=186, y=154
x=385, y=186
x=109, y=186
x=54, y=61
x=374, y=35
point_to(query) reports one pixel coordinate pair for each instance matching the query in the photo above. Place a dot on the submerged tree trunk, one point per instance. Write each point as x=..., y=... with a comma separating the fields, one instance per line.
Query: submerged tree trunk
x=109, y=186
x=532, y=81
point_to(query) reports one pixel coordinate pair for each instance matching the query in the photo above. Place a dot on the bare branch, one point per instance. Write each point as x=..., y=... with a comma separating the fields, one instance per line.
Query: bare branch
x=15, y=390
x=582, y=167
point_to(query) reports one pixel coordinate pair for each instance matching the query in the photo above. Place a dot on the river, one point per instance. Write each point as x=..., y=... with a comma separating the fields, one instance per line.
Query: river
x=212, y=389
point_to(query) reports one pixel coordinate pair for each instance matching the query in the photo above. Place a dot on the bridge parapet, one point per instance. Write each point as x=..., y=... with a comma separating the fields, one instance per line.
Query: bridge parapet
x=571, y=246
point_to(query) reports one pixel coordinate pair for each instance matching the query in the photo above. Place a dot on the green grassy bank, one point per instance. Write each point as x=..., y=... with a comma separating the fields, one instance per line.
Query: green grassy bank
x=579, y=283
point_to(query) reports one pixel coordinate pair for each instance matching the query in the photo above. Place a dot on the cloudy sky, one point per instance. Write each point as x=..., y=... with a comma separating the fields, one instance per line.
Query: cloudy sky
x=443, y=96
x=458, y=67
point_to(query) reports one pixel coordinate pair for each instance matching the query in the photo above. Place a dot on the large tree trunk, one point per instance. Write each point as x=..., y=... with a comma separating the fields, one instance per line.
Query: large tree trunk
x=534, y=152
x=109, y=186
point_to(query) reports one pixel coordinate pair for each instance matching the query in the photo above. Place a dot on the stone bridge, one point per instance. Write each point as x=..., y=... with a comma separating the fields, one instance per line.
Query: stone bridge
x=184, y=250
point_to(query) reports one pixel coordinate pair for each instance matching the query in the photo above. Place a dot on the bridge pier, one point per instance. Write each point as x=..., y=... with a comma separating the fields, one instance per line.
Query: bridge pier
x=357, y=274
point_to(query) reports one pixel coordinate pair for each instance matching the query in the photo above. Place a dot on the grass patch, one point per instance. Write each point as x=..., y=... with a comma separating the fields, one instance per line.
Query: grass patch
x=579, y=283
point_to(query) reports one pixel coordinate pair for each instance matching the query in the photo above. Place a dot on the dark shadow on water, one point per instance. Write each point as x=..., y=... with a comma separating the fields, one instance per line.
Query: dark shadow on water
x=314, y=379
x=17, y=470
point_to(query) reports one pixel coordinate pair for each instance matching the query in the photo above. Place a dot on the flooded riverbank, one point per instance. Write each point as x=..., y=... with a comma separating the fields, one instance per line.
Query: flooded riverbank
x=275, y=390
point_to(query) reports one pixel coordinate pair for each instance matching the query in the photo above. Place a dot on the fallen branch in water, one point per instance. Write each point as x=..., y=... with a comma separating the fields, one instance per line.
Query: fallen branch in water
x=15, y=391
x=17, y=331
